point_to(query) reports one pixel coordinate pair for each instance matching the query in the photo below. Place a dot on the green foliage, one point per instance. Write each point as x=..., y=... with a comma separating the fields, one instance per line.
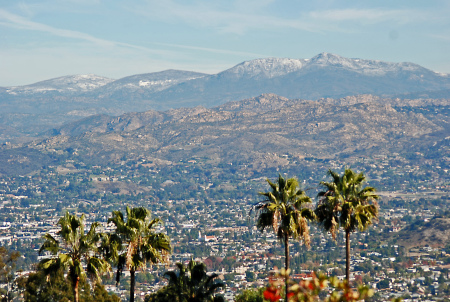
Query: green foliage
x=345, y=203
x=38, y=287
x=100, y=294
x=8, y=261
x=284, y=209
x=77, y=248
x=135, y=242
x=250, y=276
x=383, y=284
x=250, y=295
x=190, y=284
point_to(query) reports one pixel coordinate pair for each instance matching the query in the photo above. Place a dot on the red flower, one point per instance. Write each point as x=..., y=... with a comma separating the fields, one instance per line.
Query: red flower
x=271, y=294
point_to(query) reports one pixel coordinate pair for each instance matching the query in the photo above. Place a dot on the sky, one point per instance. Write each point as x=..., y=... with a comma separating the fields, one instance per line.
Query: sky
x=43, y=39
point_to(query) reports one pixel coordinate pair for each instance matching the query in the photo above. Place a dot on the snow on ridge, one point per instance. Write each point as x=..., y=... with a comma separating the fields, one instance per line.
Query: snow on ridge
x=81, y=81
x=273, y=67
x=72, y=83
x=268, y=67
x=369, y=67
x=149, y=83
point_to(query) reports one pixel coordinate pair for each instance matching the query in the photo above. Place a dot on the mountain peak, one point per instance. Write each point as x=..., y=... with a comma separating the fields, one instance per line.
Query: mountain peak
x=326, y=57
x=266, y=67
x=329, y=59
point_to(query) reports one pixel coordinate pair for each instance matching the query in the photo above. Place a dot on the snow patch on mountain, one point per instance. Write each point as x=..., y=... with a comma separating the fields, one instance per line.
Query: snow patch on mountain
x=274, y=67
x=268, y=68
x=152, y=82
x=368, y=67
x=73, y=83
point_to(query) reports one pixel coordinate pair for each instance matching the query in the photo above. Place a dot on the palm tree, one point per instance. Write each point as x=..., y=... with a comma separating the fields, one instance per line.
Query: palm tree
x=75, y=248
x=345, y=203
x=136, y=243
x=285, y=210
x=190, y=284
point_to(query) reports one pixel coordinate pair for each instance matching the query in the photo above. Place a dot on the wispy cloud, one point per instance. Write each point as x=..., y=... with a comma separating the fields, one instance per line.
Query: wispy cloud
x=232, y=19
x=213, y=50
x=16, y=21
x=240, y=18
x=442, y=37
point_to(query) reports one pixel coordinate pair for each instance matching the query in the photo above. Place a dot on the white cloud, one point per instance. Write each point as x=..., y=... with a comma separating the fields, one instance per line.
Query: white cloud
x=400, y=16
x=19, y=22
x=222, y=19
x=16, y=21
x=442, y=37
x=250, y=15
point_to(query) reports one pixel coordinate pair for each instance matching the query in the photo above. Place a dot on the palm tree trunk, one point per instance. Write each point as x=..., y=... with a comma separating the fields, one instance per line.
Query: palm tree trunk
x=347, y=255
x=132, y=284
x=75, y=289
x=286, y=263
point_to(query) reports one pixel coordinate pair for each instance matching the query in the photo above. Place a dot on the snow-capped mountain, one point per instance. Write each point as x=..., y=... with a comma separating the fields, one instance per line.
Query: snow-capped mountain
x=275, y=67
x=325, y=75
x=66, y=84
x=56, y=101
x=369, y=67
x=150, y=82
x=283, y=76
x=264, y=68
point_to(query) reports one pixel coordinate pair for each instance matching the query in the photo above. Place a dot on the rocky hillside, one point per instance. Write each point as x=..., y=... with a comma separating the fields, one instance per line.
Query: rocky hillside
x=434, y=233
x=257, y=132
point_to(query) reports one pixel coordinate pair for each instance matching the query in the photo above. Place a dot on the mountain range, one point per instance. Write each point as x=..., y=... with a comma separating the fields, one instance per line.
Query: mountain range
x=28, y=111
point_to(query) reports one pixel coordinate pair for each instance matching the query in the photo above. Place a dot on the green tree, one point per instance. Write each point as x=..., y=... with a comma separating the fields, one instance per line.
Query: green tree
x=190, y=284
x=345, y=203
x=101, y=295
x=383, y=284
x=38, y=287
x=43, y=287
x=285, y=210
x=75, y=248
x=250, y=276
x=7, y=265
x=135, y=242
x=250, y=295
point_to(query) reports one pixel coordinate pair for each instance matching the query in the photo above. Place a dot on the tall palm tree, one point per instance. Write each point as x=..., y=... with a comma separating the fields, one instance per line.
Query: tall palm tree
x=285, y=209
x=136, y=243
x=75, y=248
x=345, y=203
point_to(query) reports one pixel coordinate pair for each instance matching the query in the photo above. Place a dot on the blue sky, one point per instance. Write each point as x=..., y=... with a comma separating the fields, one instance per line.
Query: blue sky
x=46, y=39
